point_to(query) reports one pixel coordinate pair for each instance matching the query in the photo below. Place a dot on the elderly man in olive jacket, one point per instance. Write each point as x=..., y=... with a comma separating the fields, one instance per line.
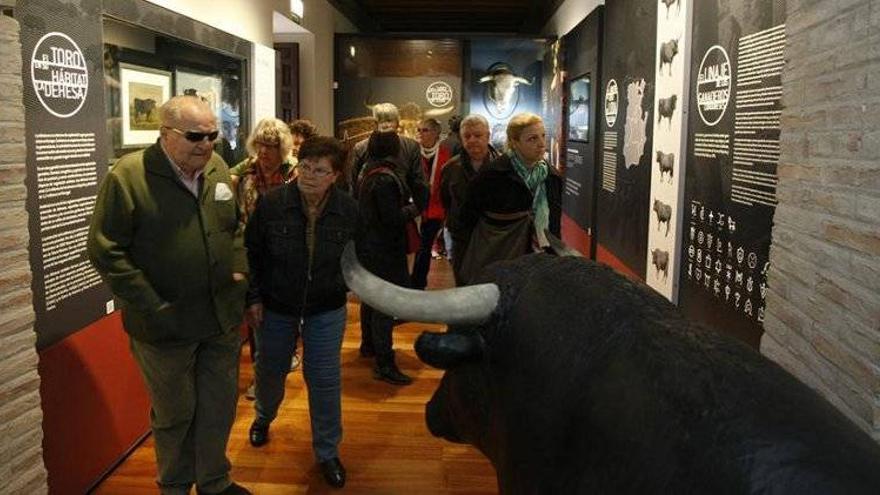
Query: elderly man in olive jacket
x=164, y=237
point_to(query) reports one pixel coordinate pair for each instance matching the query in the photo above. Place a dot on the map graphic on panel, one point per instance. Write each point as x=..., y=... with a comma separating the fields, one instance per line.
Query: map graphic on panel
x=625, y=132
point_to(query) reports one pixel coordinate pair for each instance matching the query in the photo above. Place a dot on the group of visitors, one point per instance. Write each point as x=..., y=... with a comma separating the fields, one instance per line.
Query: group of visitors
x=191, y=248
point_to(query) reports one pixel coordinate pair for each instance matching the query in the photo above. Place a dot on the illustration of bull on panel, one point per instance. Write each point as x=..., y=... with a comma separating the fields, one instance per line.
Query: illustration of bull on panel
x=668, y=51
x=666, y=108
x=666, y=162
x=573, y=379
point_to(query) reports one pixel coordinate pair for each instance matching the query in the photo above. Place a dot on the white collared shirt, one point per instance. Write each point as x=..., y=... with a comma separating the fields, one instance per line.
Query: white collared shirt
x=191, y=184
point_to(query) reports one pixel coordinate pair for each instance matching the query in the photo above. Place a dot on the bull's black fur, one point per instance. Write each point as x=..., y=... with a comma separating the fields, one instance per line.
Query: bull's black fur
x=591, y=383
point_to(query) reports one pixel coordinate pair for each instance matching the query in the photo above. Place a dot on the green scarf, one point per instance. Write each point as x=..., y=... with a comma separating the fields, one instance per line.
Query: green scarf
x=534, y=178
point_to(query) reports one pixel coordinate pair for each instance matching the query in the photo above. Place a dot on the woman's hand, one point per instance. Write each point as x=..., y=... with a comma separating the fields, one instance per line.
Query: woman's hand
x=254, y=315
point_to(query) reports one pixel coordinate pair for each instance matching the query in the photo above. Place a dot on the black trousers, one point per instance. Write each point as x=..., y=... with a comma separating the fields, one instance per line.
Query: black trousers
x=376, y=334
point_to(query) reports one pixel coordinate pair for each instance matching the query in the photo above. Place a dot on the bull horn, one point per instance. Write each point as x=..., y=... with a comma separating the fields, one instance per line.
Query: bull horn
x=522, y=80
x=447, y=350
x=460, y=306
x=485, y=79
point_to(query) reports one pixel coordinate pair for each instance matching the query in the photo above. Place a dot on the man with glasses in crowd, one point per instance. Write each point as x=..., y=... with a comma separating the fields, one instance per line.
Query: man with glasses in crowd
x=164, y=238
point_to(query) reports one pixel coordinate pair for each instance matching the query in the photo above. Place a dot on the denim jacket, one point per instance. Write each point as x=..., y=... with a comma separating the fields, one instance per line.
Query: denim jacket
x=278, y=255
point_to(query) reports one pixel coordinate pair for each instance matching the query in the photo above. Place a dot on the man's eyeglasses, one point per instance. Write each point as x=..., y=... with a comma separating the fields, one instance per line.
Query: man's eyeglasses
x=195, y=137
x=305, y=168
x=424, y=129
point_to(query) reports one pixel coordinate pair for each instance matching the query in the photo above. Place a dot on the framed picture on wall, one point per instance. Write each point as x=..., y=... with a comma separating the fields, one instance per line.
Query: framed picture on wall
x=579, y=109
x=208, y=87
x=142, y=91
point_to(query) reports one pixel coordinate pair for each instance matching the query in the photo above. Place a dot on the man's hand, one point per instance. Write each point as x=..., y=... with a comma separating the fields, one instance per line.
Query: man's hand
x=254, y=315
x=238, y=276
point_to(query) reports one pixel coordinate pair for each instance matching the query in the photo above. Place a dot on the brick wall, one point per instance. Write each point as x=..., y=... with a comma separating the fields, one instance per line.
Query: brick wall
x=21, y=432
x=823, y=307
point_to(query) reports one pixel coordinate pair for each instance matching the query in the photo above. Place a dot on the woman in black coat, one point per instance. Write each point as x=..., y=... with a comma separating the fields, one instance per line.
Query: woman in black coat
x=385, y=209
x=512, y=202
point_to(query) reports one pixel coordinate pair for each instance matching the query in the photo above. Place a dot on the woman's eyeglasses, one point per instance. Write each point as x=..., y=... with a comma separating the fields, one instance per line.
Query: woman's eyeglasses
x=195, y=137
x=305, y=168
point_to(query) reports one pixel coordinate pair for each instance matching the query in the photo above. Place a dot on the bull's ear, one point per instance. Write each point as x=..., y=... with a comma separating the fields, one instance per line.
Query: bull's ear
x=447, y=350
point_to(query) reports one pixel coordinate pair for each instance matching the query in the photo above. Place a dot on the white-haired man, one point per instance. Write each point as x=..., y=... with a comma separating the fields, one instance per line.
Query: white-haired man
x=458, y=173
x=164, y=237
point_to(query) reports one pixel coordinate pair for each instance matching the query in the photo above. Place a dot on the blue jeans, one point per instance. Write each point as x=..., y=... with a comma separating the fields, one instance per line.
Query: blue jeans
x=322, y=343
x=422, y=262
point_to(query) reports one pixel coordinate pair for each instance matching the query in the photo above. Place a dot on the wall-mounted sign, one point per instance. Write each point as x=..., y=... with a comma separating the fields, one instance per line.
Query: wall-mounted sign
x=626, y=132
x=713, y=85
x=59, y=74
x=439, y=94
x=732, y=156
x=65, y=129
x=611, y=103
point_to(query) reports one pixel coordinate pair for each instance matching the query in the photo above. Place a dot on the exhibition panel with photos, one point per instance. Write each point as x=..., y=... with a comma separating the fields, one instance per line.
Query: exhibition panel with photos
x=94, y=74
x=95, y=77
x=143, y=69
x=689, y=131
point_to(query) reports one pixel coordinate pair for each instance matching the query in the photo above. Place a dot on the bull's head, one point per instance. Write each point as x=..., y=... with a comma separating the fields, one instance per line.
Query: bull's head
x=501, y=83
x=457, y=416
x=461, y=408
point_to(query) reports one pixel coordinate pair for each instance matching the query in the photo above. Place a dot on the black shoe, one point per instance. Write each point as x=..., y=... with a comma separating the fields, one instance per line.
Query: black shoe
x=258, y=434
x=367, y=352
x=334, y=472
x=233, y=489
x=391, y=375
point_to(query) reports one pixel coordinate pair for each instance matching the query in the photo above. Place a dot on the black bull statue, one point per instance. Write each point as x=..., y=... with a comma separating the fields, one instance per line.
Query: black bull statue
x=573, y=379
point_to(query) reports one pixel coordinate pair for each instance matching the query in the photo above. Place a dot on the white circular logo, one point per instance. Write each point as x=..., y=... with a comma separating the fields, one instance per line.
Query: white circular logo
x=59, y=75
x=439, y=94
x=713, y=85
x=611, y=103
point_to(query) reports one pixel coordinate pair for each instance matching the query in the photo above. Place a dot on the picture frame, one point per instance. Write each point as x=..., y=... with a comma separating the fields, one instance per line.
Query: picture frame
x=579, y=108
x=142, y=91
x=209, y=87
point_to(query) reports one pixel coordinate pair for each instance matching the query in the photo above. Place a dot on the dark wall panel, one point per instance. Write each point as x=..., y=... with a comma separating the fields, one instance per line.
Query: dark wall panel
x=582, y=46
x=733, y=150
x=626, y=126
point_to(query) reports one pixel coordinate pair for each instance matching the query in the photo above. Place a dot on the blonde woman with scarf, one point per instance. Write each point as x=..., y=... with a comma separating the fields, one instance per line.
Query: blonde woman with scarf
x=512, y=201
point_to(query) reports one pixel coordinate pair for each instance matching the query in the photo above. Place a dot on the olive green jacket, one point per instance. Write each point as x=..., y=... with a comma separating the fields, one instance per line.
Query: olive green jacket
x=167, y=256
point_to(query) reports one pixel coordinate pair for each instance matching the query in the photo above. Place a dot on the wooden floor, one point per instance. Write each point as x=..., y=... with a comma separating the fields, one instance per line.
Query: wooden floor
x=386, y=447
